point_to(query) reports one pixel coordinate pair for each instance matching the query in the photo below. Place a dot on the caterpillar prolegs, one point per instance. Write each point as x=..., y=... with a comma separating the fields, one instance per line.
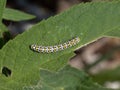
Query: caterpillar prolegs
x=55, y=48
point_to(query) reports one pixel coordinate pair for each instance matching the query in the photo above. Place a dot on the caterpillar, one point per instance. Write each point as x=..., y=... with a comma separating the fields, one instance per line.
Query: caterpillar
x=55, y=48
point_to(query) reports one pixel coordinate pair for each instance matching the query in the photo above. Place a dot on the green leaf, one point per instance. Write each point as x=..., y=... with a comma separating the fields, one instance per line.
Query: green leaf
x=2, y=5
x=16, y=15
x=4, y=35
x=66, y=79
x=55, y=64
x=107, y=75
x=88, y=21
x=3, y=29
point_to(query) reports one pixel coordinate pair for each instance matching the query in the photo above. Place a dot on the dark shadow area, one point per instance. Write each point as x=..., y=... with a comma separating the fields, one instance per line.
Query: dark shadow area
x=6, y=71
